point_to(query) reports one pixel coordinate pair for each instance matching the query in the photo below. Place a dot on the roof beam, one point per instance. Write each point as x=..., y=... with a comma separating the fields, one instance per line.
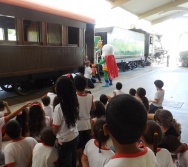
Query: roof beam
x=172, y=16
x=165, y=8
x=116, y=3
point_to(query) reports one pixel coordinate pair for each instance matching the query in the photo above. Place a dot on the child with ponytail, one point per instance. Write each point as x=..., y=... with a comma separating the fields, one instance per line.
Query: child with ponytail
x=96, y=153
x=141, y=96
x=152, y=137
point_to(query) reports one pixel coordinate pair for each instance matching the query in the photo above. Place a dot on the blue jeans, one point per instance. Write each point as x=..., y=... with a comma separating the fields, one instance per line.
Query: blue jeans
x=67, y=153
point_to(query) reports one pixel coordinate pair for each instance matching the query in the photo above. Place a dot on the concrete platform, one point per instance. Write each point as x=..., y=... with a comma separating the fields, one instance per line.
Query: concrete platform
x=175, y=85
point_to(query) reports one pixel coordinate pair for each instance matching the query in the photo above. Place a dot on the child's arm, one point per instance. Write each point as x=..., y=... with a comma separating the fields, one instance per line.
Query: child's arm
x=93, y=107
x=85, y=162
x=7, y=107
x=13, y=114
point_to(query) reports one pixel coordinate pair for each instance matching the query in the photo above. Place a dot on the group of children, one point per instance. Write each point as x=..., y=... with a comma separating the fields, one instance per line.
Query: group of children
x=71, y=129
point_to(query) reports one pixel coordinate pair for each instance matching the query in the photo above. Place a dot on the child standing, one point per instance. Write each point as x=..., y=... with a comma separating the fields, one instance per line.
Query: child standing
x=48, y=110
x=152, y=137
x=96, y=153
x=44, y=154
x=86, y=105
x=126, y=121
x=18, y=153
x=159, y=97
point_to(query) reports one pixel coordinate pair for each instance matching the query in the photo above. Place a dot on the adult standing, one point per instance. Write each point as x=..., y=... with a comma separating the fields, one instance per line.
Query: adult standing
x=65, y=121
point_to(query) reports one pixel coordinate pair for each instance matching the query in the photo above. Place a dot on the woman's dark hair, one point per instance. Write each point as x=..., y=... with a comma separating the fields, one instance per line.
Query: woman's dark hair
x=99, y=110
x=159, y=83
x=67, y=97
x=36, y=119
x=165, y=119
x=99, y=133
x=22, y=119
x=141, y=92
x=153, y=134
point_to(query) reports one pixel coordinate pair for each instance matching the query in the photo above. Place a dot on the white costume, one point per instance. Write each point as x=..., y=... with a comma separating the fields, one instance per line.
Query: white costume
x=48, y=111
x=145, y=158
x=118, y=92
x=44, y=156
x=19, y=152
x=160, y=96
x=95, y=158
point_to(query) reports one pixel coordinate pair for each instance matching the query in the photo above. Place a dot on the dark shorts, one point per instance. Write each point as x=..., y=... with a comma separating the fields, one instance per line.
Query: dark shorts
x=84, y=137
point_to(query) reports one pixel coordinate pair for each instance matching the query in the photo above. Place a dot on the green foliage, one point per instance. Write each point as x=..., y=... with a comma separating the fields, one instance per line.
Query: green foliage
x=184, y=58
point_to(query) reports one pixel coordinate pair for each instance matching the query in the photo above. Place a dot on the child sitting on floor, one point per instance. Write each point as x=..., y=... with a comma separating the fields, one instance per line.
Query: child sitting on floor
x=126, y=121
x=44, y=154
x=152, y=137
x=96, y=153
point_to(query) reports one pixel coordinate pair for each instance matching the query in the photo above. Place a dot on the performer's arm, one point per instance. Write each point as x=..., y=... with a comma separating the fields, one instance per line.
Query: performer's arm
x=102, y=61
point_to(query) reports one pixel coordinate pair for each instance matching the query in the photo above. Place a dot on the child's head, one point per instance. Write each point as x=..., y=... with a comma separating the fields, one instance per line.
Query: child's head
x=165, y=118
x=99, y=133
x=2, y=106
x=45, y=100
x=99, y=110
x=141, y=92
x=80, y=82
x=48, y=137
x=13, y=129
x=118, y=86
x=152, y=135
x=171, y=143
x=36, y=119
x=126, y=119
x=104, y=99
x=87, y=63
x=159, y=84
x=132, y=91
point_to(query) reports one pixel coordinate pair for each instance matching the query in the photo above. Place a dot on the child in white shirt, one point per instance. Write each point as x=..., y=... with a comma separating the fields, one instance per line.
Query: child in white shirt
x=48, y=110
x=96, y=152
x=44, y=154
x=18, y=153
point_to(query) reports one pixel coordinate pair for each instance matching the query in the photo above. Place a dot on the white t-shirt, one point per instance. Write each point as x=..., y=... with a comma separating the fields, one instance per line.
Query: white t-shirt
x=160, y=96
x=183, y=159
x=145, y=158
x=44, y=156
x=19, y=152
x=95, y=158
x=85, y=102
x=52, y=96
x=48, y=111
x=88, y=72
x=118, y=92
x=164, y=158
x=64, y=134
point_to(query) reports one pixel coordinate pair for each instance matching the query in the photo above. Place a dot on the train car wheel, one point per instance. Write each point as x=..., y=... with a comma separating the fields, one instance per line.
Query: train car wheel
x=7, y=88
x=22, y=88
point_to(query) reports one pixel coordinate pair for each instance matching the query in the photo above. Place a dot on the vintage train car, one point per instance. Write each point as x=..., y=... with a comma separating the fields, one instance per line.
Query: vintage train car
x=38, y=44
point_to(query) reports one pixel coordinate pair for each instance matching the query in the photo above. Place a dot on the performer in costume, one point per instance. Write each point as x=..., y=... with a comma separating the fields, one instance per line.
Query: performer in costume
x=108, y=61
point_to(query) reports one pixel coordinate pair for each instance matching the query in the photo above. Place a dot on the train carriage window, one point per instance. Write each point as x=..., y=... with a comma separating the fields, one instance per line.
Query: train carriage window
x=7, y=28
x=54, y=34
x=31, y=31
x=73, y=36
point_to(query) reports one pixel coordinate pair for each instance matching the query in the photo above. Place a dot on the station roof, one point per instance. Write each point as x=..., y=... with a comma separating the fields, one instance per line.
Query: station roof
x=152, y=10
